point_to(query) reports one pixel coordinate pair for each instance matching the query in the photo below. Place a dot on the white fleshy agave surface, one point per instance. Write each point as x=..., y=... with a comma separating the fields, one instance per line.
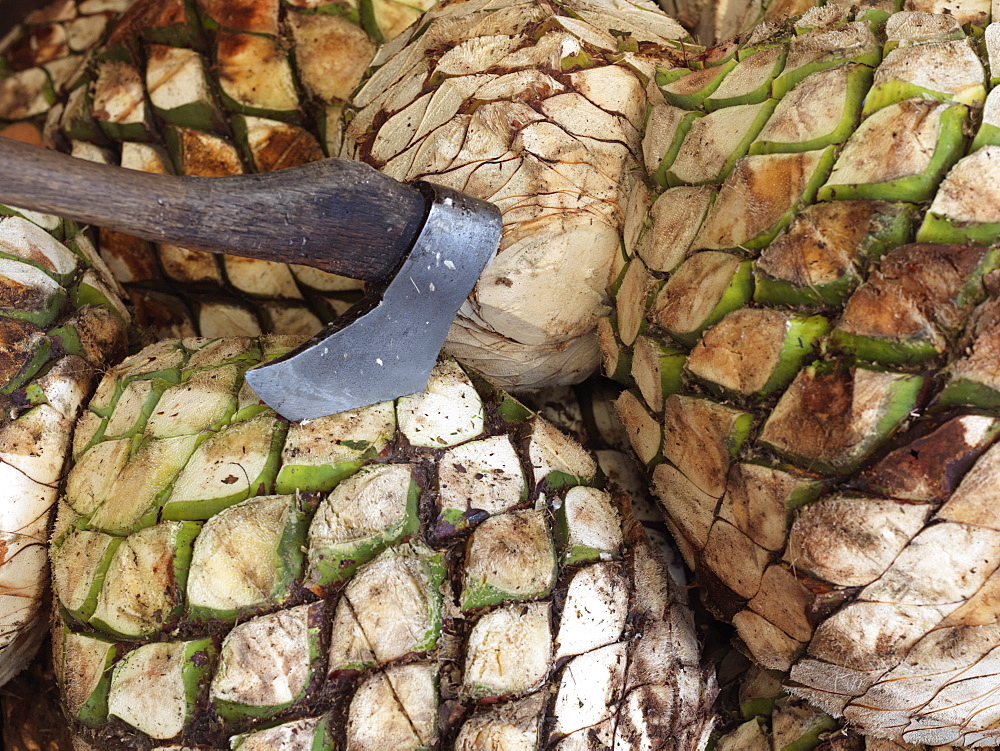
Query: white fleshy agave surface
x=539, y=110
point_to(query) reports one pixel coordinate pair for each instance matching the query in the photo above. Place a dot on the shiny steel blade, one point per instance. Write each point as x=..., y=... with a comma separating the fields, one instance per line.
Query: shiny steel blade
x=385, y=348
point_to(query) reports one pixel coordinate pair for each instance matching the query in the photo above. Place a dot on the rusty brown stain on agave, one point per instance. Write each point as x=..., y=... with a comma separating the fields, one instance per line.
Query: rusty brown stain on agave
x=285, y=147
x=146, y=15
x=101, y=334
x=15, y=295
x=236, y=46
x=826, y=400
x=18, y=340
x=155, y=311
x=928, y=468
x=38, y=46
x=205, y=156
x=915, y=292
x=774, y=183
x=983, y=345
x=133, y=259
x=31, y=253
x=247, y=15
x=818, y=246
x=331, y=53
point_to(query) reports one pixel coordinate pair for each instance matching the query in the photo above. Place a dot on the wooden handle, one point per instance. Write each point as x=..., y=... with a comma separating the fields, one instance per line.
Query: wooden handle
x=336, y=215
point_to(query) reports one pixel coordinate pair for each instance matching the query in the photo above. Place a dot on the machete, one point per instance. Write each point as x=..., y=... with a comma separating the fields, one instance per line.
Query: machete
x=422, y=247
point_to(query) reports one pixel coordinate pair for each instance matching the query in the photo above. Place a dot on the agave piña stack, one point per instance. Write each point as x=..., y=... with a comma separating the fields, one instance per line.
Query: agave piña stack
x=554, y=115
x=441, y=571
x=808, y=315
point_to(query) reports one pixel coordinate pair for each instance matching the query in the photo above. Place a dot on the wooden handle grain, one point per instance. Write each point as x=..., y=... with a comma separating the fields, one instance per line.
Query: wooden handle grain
x=337, y=215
